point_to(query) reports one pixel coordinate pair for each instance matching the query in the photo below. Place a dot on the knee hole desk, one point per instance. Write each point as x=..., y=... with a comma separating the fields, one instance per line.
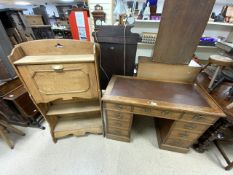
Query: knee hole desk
x=184, y=111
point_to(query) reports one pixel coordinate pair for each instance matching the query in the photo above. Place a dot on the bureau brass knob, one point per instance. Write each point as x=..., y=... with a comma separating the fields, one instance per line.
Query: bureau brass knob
x=58, y=68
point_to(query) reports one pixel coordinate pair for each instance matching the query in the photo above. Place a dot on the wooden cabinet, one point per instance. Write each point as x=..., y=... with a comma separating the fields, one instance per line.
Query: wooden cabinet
x=62, y=78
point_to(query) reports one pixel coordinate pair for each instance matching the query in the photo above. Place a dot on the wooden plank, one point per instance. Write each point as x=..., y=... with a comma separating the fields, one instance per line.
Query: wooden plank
x=166, y=72
x=56, y=47
x=46, y=59
x=78, y=127
x=182, y=24
x=72, y=108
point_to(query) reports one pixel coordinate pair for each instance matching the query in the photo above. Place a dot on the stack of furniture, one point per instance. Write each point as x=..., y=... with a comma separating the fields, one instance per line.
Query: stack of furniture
x=223, y=96
x=62, y=78
x=6, y=70
x=165, y=86
x=40, y=30
x=16, y=25
x=16, y=105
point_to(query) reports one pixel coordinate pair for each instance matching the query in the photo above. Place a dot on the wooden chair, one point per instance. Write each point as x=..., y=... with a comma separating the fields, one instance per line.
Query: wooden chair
x=5, y=128
x=221, y=62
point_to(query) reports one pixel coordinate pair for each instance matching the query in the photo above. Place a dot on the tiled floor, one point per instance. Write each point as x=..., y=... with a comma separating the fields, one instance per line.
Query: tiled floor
x=35, y=154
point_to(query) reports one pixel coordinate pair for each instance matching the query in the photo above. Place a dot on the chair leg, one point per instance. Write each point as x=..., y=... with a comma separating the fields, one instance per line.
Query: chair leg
x=6, y=139
x=229, y=167
x=9, y=127
x=17, y=131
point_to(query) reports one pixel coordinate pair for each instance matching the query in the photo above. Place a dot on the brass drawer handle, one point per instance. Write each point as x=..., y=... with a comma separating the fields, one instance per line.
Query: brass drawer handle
x=189, y=126
x=58, y=68
x=119, y=107
x=165, y=112
x=183, y=135
x=119, y=116
x=147, y=110
x=198, y=117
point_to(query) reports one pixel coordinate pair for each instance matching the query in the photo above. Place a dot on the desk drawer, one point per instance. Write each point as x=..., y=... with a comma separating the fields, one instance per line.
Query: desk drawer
x=117, y=132
x=179, y=143
x=119, y=124
x=198, y=118
x=184, y=135
x=118, y=107
x=190, y=126
x=119, y=115
x=157, y=113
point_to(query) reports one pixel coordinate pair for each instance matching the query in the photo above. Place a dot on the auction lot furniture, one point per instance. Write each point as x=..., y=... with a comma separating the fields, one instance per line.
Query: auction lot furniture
x=62, y=78
x=184, y=110
x=216, y=133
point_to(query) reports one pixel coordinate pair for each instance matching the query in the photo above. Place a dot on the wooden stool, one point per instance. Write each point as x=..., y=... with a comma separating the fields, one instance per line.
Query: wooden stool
x=221, y=62
x=6, y=128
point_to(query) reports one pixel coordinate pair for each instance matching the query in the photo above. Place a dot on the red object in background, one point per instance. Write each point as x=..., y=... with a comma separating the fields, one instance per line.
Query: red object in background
x=79, y=25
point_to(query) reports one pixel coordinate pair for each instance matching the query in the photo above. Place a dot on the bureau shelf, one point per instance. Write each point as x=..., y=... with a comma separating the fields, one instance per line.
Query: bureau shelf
x=73, y=108
x=78, y=126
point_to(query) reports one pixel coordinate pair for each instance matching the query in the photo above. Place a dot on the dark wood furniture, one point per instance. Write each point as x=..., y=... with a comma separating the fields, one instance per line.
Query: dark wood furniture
x=216, y=132
x=118, y=50
x=16, y=105
x=182, y=24
x=16, y=25
x=6, y=70
x=184, y=110
x=43, y=31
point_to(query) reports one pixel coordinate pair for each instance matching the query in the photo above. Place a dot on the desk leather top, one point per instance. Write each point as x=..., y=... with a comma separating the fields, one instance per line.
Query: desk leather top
x=175, y=96
x=178, y=93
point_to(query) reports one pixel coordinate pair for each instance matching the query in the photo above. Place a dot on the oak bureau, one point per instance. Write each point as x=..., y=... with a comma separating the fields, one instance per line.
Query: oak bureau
x=184, y=110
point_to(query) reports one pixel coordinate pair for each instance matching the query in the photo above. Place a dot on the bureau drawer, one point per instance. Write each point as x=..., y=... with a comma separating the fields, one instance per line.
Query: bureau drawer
x=181, y=134
x=157, y=113
x=190, y=126
x=117, y=131
x=50, y=82
x=118, y=107
x=119, y=124
x=179, y=143
x=198, y=118
x=119, y=115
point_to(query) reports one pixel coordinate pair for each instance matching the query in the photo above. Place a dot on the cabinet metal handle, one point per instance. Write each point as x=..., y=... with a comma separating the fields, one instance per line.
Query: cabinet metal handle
x=165, y=112
x=198, y=117
x=147, y=110
x=189, y=126
x=58, y=68
x=119, y=107
x=183, y=135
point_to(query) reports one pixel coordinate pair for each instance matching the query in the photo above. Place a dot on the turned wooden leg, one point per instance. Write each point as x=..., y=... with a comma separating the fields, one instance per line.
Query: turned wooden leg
x=17, y=131
x=213, y=133
x=9, y=127
x=6, y=138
